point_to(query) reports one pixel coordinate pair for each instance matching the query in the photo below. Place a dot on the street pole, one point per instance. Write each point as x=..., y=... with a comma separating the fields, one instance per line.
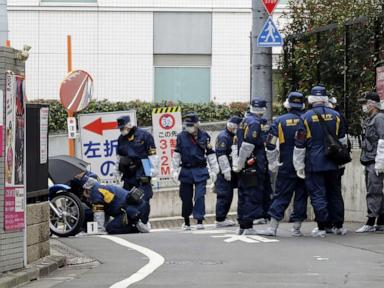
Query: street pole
x=3, y=23
x=261, y=84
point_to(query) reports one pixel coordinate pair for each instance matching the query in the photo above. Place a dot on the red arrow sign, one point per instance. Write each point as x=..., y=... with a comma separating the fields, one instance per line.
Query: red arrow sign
x=98, y=126
x=270, y=5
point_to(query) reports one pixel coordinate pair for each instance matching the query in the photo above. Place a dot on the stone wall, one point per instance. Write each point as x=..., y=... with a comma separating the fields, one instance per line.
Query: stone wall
x=37, y=231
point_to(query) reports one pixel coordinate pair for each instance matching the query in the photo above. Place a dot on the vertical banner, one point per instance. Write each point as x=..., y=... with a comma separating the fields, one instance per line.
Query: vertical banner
x=44, y=113
x=10, y=126
x=167, y=123
x=14, y=152
x=99, y=134
x=14, y=208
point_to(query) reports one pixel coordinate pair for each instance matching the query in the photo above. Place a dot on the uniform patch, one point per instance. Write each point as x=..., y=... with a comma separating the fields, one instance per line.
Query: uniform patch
x=107, y=195
x=292, y=122
x=254, y=134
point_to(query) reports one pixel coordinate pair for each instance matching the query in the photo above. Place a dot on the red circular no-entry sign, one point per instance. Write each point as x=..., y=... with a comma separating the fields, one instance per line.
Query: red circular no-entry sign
x=76, y=91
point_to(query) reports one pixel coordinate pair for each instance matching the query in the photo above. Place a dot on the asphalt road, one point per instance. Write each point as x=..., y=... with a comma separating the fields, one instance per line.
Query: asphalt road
x=218, y=258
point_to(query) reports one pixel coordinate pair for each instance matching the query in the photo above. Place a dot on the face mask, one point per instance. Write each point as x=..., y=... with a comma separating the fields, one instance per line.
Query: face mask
x=124, y=132
x=190, y=129
x=365, y=108
x=234, y=131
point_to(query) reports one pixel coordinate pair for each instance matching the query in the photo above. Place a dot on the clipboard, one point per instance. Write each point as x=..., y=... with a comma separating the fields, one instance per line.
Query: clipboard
x=147, y=167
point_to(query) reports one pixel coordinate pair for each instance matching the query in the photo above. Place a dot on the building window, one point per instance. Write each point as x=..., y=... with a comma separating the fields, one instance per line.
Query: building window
x=185, y=84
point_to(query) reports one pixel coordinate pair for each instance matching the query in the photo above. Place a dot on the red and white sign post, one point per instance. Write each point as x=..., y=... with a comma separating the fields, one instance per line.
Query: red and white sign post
x=270, y=5
x=167, y=123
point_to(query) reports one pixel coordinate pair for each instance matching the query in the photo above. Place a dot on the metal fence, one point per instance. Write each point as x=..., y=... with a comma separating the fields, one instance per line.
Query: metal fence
x=344, y=58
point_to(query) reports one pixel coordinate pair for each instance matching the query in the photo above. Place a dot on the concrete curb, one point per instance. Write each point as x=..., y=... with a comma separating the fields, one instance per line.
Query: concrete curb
x=175, y=222
x=33, y=271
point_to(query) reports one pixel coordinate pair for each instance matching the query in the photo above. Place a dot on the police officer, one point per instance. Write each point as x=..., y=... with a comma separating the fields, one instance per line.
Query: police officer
x=334, y=210
x=372, y=157
x=128, y=209
x=310, y=162
x=283, y=132
x=189, y=166
x=136, y=148
x=252, y=165
x=226, y=180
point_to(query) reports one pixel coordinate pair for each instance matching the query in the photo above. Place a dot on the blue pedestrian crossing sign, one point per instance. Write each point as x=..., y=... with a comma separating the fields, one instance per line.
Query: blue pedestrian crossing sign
x=270, y=35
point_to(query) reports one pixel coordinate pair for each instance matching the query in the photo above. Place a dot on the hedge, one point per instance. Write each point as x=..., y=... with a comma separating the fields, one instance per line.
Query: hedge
x=208, y=112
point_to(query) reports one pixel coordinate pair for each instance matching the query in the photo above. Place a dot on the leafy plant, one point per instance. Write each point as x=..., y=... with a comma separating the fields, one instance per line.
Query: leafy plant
x=208, y=112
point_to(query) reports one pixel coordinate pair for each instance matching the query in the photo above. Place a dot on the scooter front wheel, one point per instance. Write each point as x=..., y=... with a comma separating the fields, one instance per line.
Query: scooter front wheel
x=66, y=214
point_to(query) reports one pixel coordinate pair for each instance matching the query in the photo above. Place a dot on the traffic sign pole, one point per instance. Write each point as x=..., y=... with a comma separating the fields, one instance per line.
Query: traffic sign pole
x=261, y=59
x=71, y=142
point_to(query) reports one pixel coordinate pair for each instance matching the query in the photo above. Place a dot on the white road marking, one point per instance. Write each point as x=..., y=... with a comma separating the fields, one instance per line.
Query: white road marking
x=245, y=238
x=155, y=261
x=160, y=230
x=233, y=238
x=209, y=232
x=262, y=239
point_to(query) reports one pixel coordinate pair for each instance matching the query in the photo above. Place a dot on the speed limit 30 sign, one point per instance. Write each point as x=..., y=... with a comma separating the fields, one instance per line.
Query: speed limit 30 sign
x=167, y=124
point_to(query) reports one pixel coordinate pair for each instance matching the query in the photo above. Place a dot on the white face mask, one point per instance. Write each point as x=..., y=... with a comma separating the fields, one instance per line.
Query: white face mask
x=190, y=129
x=124, y=132
x=234, y=131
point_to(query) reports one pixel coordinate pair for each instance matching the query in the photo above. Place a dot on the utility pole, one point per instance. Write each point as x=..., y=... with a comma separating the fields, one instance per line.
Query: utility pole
x=3, y=22
x=261, y=59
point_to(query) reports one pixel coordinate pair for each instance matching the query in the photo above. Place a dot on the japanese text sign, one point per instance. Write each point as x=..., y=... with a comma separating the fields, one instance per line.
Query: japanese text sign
x=99, y=135
x=167, y=124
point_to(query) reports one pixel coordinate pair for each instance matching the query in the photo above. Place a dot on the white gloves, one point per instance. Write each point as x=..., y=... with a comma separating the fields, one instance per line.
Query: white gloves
x=213, y=176
x=213, y=166
x=155, y=163
x=246, y=150
x=273, y=160
x=379, y=160
x=301, y=173
x=225, y=167
x=299, y=161
x=176, y=160
x=235, y=158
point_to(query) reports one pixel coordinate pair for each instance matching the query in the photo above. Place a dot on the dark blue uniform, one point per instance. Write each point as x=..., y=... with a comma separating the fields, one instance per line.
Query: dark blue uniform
x=284, y=128
x=137, y=145
x=253, y=177
x=321, y=173
x=268, y=191
x=224, y=189
x=114, y=200
x=193, y=171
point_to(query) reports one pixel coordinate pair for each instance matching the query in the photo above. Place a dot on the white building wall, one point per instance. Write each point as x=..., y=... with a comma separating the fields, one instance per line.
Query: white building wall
x=113, y=41
x=231, y=57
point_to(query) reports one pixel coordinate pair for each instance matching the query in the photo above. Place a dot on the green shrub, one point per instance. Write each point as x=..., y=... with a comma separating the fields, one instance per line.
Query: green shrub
x=208, y=112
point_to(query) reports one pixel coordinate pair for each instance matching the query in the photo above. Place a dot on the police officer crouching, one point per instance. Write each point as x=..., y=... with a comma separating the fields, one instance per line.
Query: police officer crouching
x=372, y=157
x=226, y=180
x=251, y=163
x=129, y=211
x=283, y=132
x=189, y=166
x=135, y=150
x=311, y=161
